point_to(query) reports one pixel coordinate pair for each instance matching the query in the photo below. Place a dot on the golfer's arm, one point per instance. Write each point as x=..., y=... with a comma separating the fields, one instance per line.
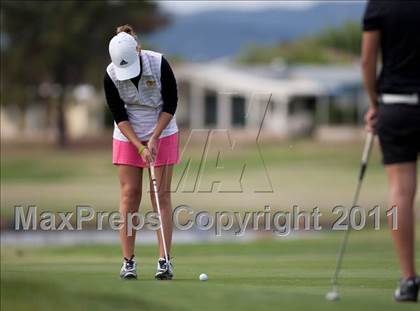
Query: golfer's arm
x=118, y=111
x=126, y=128
x=169, y=94
x=163, y=121
x=370, y=48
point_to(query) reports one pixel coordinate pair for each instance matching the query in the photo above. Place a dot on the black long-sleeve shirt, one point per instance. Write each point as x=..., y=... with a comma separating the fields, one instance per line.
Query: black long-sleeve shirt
x=168, y=91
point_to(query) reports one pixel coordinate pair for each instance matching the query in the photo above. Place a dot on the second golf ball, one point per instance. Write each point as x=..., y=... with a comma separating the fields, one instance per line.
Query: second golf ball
x=203, y=277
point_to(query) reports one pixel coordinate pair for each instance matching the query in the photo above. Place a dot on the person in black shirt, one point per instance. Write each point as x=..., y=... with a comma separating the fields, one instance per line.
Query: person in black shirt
x=392, y=28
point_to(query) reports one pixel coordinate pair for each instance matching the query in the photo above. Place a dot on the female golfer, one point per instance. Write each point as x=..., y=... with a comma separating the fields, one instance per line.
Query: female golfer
x=141, y=93
x=394, y=114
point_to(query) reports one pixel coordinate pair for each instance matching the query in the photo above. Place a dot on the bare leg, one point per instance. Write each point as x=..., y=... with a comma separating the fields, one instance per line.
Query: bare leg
x=403, y=182
x=164, y=178
x=130, y=197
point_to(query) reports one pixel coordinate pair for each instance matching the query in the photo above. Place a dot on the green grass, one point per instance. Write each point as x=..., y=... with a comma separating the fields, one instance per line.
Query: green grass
x=305, y=173
x=286, y=274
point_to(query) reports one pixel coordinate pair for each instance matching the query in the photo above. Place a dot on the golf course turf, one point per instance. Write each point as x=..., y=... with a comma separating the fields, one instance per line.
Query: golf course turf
x=273, y=274
x=267, y=274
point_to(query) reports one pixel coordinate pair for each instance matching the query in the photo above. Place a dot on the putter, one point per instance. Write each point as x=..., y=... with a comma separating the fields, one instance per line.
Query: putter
x=333, y=294
x=155, y=190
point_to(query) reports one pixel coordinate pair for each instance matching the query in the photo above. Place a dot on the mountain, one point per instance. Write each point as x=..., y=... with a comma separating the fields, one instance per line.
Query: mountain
x=213, y=34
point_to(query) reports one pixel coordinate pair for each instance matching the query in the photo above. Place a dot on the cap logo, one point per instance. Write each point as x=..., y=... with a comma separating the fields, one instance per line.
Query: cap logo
x=123, y=62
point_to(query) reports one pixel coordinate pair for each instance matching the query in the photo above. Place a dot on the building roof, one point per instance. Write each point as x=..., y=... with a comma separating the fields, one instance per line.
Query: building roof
x=334, y=79
x=279, y=81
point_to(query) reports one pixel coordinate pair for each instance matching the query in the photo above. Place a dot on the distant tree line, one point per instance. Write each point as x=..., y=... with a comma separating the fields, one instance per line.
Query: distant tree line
x=332, y=45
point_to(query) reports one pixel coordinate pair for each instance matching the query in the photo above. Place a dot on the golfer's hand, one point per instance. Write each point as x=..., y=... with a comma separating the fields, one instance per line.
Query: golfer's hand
x=152, y=145
x=145, y=154
x=371, y=118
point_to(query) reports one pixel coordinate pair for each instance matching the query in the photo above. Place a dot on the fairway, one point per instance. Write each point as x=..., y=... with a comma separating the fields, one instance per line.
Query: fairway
x=280, y=274
x=304, y=173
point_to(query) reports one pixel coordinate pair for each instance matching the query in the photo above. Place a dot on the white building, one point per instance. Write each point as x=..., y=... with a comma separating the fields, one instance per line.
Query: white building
x=286, y=101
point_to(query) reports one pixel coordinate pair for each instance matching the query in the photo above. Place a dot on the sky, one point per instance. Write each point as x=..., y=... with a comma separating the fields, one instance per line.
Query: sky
x=191, y=7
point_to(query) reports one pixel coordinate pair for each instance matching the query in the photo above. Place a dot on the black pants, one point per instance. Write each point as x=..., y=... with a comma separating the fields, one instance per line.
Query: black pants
x=398, y=129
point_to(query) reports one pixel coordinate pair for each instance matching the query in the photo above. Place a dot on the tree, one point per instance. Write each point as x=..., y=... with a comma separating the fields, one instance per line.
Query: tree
x=330, y=46
x=346, y=38
x=64, y=43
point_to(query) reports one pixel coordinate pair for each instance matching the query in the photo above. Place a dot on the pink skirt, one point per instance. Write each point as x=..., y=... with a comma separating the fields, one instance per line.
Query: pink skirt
x=125, y=153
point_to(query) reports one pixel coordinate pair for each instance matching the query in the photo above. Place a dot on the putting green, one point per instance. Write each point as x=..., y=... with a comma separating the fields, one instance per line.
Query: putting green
x=280, y=274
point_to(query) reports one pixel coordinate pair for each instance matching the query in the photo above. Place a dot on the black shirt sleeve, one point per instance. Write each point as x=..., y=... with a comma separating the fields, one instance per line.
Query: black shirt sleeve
x=169, y=88
x=372, y=19
x=115, y=103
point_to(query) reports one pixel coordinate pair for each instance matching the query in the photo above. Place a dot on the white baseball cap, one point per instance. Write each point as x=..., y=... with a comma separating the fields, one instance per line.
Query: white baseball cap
x=124, y=56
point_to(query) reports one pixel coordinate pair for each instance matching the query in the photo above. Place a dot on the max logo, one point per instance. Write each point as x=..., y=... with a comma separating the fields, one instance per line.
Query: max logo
x=123, y=62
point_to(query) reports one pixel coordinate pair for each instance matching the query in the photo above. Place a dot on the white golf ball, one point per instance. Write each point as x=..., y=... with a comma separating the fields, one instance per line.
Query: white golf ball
x=332, y=296
x=203, y=277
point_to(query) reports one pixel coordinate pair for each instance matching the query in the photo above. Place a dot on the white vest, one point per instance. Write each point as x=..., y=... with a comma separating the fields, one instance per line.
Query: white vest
x=143, y=104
